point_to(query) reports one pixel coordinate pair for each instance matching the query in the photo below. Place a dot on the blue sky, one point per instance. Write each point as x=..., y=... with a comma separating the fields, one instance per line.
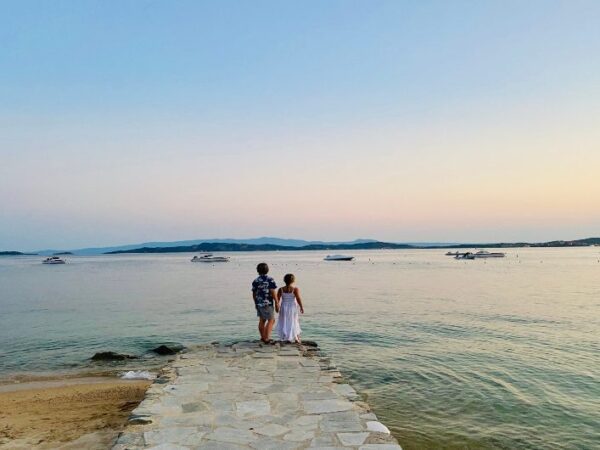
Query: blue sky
x=407, y=121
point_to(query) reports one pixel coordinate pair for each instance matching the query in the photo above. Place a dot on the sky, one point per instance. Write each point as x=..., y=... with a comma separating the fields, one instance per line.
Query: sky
x=131, y=121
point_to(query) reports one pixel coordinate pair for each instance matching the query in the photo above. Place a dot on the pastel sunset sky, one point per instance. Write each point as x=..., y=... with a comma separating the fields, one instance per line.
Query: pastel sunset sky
x=446, y=121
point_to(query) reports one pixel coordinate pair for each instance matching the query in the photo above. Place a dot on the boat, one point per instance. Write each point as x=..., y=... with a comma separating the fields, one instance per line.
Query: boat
x=209, y=258
x=54, y=260
x=486, y=254
x=457, y=253
x=467, y=255
x=338, y=258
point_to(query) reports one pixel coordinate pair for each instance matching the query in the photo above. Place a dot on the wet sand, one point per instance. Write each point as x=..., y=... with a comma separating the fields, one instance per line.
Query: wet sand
x=71, y=413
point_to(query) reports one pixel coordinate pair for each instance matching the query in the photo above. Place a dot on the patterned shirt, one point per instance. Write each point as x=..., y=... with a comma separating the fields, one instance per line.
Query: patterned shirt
x=262, y=288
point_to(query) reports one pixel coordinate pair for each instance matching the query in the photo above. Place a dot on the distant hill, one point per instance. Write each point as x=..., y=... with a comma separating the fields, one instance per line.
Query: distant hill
x=225, y=246
x=13, y=253
x=242, y=247
x=273, y=243
x=188, y=243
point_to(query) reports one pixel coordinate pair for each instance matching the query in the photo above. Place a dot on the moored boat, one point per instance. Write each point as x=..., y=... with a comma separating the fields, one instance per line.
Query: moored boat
x=54, y=260
x=338, y=258
x=486, y=254
x=209, y=258
x=467, y=255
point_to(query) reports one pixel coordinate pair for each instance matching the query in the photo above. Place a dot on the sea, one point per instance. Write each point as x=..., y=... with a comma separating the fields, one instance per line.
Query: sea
x=451, y=354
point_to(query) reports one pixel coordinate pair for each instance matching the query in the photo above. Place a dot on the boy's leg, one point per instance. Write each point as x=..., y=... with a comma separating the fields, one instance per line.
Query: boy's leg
x=261, y=328
x=268, y=329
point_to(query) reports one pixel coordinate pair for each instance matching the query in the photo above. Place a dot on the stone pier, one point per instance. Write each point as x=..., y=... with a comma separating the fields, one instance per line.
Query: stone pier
x=253, y=396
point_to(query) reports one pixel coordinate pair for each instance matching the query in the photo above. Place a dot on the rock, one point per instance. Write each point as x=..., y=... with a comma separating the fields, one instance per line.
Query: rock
x=167, y=350
x=310, y=343
x=377, y=426
x=111, y=356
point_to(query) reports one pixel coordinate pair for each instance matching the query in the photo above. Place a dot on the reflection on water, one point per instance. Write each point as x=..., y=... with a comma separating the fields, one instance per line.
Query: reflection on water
x=455, y=354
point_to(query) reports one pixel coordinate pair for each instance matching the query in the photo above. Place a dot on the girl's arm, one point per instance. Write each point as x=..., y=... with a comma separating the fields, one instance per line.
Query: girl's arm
x=299, y=299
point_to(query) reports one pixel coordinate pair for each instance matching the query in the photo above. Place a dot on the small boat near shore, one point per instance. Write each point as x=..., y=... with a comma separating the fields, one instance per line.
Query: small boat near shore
x=486, y=254
x=54, y=260
x=338, y=258
x=209, y=258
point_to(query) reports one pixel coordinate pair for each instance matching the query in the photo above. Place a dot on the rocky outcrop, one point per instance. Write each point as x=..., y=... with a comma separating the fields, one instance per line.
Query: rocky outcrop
x=111, y=356
x=164, y=350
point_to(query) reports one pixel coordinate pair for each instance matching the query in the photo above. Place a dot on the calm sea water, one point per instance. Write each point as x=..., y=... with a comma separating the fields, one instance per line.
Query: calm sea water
x=452, y=354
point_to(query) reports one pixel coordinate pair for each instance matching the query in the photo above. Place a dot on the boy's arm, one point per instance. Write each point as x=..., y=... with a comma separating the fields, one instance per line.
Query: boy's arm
x=276, y=295
x=299, y=299
x=254, y=294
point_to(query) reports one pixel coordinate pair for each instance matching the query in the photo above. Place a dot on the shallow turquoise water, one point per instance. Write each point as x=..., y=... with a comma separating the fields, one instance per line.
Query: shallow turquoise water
x=452, y=354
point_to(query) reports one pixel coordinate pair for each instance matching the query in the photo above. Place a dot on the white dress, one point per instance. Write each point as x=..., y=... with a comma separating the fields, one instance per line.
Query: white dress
x=288, y=325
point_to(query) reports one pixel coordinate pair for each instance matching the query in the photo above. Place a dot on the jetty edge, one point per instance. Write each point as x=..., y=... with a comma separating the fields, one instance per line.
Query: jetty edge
x=250, y=395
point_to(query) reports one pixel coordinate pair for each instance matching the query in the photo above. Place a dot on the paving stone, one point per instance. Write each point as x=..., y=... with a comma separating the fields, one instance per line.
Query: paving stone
x=231, y=435
x=345, y=390
x=178, y=435
x=299, y=435
x=263, y=355
x=186, y=420
x=253, y=408
x=324, y=440
x=271, y=430
x=168, y=447
x=194, y=407
x=326, y=406
x=341, y=426
x=266, y=443
x=319, y=395
x=352, y=438
x=306, y=421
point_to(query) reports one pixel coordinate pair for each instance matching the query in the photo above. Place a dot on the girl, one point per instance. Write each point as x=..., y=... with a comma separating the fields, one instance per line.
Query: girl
x=289, y=300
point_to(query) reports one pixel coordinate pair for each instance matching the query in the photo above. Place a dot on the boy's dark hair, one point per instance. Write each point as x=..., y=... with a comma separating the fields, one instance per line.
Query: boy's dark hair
x=262, y=269
x=289, y=279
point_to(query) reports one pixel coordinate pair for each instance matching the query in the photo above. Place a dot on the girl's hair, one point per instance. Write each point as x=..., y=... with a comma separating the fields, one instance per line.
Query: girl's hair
x=289, y=279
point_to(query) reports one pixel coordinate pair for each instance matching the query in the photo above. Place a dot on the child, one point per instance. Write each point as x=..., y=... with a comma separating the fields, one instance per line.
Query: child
x=289, y=300
x=263, y=293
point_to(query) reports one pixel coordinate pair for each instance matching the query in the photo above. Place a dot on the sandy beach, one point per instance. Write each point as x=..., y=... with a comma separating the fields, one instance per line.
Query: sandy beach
x=71, y=413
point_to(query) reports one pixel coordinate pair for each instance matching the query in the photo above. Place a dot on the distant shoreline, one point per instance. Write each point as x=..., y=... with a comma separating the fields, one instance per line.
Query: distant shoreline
x=377, y=245
x=219, y=246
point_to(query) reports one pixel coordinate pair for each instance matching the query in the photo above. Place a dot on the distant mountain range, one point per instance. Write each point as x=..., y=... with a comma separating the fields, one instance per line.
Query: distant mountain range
x=228, y=247
x=274, y=244
x=189, y=243
x=356, y=245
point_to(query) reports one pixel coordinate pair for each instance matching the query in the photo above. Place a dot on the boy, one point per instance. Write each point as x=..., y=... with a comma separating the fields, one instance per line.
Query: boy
x=264, y=295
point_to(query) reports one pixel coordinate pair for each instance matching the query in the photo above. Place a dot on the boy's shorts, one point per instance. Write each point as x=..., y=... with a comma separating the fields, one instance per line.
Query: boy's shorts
x=265, y=312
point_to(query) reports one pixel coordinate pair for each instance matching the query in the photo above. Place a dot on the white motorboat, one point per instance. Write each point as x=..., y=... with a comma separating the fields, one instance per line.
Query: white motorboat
x=486, y=254
x=338, y=258
x=54, y=260
x=467, y=255
x=209, y=258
